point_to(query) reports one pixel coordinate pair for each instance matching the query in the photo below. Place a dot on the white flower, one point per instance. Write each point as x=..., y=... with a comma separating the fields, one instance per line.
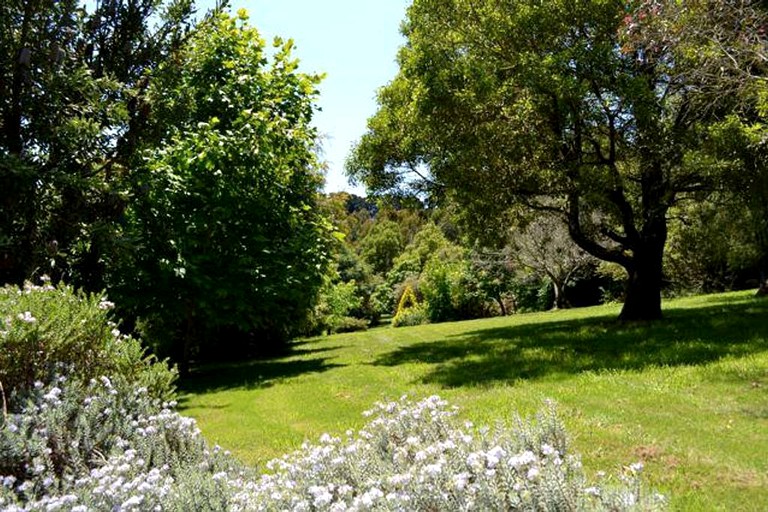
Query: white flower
x=371, y=496
x=27, y=317
x=52, y=395
x=533, y=473
x=433, y=469
x=494, y=455
x=547, y=449
x=321, y=495
x=636, y=467
x=592, y=491
x=461, y=480
x=522, y=459
x=133, y=501
x=105, y=304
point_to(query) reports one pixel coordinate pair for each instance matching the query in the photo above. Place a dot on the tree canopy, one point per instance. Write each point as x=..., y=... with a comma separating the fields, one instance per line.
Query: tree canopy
x=573, y=108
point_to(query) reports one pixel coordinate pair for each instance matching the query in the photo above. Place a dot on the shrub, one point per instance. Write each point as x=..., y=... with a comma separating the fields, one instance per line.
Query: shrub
x=409, y=310
x=106, y=446
x=45, y=330
x=349, y=324
x=417, y=457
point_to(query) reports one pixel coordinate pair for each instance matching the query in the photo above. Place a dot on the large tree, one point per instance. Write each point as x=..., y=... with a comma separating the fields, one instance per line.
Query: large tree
x=224, y=238
x=557, y=105
x=73, y=81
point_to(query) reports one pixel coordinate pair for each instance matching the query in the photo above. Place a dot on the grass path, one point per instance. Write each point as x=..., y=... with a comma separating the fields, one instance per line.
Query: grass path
x=688, y=396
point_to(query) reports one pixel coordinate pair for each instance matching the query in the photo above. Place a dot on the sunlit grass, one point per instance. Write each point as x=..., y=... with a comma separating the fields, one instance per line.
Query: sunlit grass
x=688, y=396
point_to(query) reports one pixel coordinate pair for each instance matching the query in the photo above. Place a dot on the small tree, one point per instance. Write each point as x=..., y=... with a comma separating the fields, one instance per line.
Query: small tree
x=544, y=247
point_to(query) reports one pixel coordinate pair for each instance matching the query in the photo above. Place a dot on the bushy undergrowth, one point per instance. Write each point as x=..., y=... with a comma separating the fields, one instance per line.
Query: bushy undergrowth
x=74, y=439
x=47, y=331
x=418, y=457
x=100, y=447
x=106, y=446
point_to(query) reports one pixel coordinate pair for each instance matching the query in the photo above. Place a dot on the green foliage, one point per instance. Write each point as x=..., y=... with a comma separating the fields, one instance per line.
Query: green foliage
x=335, y=304
x=45, y=331
x=224, y=237
x=568, y=107
x=437, y=283
x=382, y=245
x=73, y=82
x=712, y=247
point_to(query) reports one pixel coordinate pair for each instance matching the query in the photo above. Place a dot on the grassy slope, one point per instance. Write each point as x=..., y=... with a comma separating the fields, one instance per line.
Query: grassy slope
x=688, y=396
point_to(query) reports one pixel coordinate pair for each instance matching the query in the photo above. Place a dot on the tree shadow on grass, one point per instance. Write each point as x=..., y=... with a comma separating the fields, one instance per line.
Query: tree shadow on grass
x=258, y=373
x=560, y=348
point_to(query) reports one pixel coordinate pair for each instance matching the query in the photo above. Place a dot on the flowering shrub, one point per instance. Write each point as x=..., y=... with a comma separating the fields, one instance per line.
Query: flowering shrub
x=417, y=457
x=101, y=447
x=47, y=330
x=106, y=446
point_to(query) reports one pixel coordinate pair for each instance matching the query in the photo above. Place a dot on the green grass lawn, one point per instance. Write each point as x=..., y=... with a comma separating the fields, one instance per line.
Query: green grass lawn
x=688, y=396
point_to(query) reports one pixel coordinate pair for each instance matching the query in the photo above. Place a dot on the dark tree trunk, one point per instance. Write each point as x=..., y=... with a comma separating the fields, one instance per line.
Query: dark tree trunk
x=643, y=295
x=762, y=291
x=500, y=301
x=560, y=300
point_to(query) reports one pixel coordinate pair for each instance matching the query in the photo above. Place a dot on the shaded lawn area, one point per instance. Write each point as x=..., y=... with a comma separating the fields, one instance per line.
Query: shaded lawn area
x=686, y=336
x=688, y=396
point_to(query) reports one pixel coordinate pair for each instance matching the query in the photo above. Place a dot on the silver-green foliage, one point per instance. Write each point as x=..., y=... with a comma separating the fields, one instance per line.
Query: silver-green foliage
x=106, y=446
x=47, y=330
x=418, y=457
x=100, y=447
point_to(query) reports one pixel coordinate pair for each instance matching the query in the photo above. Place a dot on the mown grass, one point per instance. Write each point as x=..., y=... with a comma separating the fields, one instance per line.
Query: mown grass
x=688, y=396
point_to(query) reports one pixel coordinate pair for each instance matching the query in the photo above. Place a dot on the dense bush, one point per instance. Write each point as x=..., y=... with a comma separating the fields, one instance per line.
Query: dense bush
x=417, y=457
x=121, y=450
x=106, y=445
x=45, y=330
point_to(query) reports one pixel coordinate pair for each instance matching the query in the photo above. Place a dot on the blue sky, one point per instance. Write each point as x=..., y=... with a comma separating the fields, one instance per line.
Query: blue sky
x=354, y=42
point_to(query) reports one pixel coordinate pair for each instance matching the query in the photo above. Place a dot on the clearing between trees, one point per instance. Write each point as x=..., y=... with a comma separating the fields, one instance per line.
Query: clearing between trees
x=687, y=396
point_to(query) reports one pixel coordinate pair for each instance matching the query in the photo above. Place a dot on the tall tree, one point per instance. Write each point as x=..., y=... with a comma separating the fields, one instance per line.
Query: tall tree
x=553, y=104
x=224, y=238
x=72, y=113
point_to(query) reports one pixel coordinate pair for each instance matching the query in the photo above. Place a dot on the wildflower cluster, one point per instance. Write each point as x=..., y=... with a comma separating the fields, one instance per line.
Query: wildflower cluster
x=105, y=446
x=417, y=457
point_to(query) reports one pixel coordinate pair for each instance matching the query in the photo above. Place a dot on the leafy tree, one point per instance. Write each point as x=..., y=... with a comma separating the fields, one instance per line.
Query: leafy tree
x=225, y=238
x=382, y=245
x=556, y=105
x=544, y=247
x=729, y=72
x=711, y=246
x=73, y=111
